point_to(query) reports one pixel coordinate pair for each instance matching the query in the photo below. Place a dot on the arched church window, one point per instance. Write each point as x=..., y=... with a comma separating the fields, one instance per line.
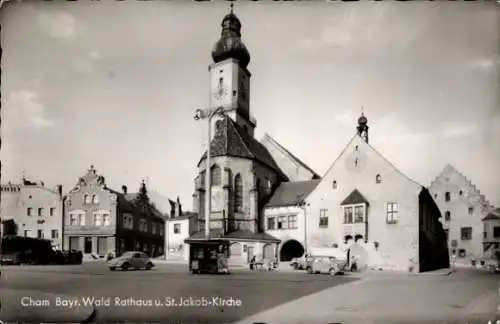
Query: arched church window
x=238, y=193
x=216, y=175
x=378, y=178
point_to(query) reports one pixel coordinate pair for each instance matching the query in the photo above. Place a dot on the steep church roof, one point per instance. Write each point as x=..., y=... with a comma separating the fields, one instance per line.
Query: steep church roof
x=291, y=193
x=231, y=140
x=290, y=155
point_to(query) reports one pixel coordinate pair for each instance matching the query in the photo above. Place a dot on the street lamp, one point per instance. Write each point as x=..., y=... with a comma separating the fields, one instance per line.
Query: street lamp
x=208, y=114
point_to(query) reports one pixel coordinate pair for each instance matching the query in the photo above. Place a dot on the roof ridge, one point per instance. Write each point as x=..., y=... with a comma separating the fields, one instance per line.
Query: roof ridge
x=240, y=137
x=286, y=151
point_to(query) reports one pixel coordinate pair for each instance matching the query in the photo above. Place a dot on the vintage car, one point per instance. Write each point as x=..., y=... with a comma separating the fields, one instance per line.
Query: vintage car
x=131, y=260
x=325, y=264
x=298, y=263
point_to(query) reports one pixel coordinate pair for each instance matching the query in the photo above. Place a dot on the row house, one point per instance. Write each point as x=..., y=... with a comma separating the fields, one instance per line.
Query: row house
x=33, y=210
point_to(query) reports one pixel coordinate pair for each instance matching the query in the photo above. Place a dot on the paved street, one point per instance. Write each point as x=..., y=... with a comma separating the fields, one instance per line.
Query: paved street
x=283, y=297
x=256, y=291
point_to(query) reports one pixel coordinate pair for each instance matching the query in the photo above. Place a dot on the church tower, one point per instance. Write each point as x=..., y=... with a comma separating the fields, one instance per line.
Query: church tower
x=363, y=127
x=229, y=77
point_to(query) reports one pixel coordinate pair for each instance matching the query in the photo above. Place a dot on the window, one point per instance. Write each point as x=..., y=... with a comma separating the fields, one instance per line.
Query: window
x=52, y=211
x=54, y=234
x=466, y=233
x=292, y=221
x=454, y=243
x=271, y=223
x=40, y=233
x=269, y=184
x=471, y=210
x=40, y=212
x=496, y=231
x=323, y=218
x=447, y=196
x=392, y=213
x=82, y=219
x=347, y=215
x=73, y=219
x=334, y=185
x=143, y=225
x=485, y=235
x=29, y=211
x=86, y=199
x=238, y=194
x=95, y=199
x=177, y=228
x=447, y=216
x=161, y=229
x=215, y=173
x=105, y=219
x=128, y=221
x=26, y=233
x=97, y=219
x=356, y=148
x=154, y=228
x=378, y=178
x=282, y=222
x=359, y=214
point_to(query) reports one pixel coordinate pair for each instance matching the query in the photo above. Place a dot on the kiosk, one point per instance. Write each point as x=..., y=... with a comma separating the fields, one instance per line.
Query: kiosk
x=208, y=256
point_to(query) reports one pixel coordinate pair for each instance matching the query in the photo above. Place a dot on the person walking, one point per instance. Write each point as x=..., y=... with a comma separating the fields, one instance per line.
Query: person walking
x=252, y=263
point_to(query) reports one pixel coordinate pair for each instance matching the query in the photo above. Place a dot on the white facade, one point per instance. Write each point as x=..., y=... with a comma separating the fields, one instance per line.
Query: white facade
x=463, y=208
x=177, y=230
x=286, y=223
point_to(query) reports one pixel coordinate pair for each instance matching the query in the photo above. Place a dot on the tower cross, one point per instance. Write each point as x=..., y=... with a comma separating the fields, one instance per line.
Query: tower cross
x=231, y=6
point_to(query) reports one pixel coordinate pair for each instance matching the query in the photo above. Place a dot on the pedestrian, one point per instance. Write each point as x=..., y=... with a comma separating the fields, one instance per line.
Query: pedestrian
x=252, y=263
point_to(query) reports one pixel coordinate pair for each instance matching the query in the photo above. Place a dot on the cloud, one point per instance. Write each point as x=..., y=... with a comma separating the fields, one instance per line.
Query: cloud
x=60, y=25
x=24, y=110
x=483, y=64
x=347, y=32
x=82, y=65
x=95, y=54
x=458, y=130
x=347, y=117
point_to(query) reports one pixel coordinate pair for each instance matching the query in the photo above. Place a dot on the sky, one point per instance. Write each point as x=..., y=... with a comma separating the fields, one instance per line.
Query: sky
x=115, y=85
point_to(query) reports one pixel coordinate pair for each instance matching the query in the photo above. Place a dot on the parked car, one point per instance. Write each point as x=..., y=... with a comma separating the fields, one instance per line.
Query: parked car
x=131, y=260
x=298, y=263
x=325, y=264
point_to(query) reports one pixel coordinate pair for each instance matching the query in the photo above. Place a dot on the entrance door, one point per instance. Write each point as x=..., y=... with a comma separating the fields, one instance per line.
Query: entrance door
x=88, y=245
x=250, y=253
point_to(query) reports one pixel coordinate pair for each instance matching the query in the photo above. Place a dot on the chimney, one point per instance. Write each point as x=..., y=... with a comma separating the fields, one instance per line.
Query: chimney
x=59, y=190
x=124, y=189
x=178, y=207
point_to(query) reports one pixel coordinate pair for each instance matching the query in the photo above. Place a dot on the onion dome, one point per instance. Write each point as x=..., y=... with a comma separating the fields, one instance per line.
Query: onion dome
x=230, y=45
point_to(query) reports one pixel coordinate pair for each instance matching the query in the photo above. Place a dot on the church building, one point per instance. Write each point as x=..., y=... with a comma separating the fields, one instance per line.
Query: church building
x=244, y=171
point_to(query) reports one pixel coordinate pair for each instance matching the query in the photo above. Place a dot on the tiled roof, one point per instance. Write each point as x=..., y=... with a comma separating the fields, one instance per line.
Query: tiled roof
x=491, y=217
x=244, y=235
x=127, y=204
x=291, y=155
x=291, y=193
x=231, y=140
x=355, y=197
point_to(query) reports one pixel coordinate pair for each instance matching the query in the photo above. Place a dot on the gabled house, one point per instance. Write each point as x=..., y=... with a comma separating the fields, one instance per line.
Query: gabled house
x=99, y=220
x=365, y=200
x=464, y=209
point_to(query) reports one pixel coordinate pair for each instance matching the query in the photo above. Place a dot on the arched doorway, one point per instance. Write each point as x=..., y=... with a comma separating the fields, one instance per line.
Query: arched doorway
x=291, y=249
